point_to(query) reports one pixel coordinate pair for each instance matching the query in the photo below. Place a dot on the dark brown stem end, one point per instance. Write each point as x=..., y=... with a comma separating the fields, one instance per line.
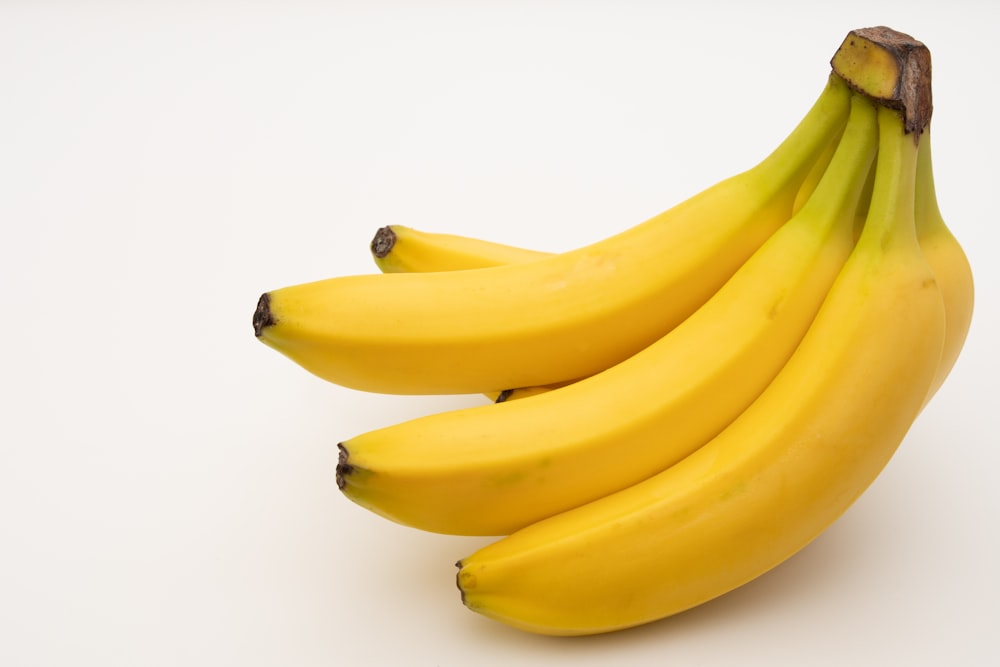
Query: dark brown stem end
x=384, y=239
x=262, y=317
x=890, y=67
x=343, y=467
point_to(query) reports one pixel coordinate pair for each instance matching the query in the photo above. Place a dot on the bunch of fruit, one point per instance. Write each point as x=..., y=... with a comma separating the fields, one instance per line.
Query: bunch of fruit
x=680, y=407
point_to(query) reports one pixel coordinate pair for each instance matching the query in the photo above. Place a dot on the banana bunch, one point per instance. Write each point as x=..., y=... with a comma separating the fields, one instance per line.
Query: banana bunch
x=679, y=407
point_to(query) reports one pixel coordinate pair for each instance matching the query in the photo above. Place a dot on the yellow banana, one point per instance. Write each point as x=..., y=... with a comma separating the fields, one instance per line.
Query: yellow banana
x=551, y=319
x=948, y=262
x=774, y=479
x=492, y=469
x=399, y=249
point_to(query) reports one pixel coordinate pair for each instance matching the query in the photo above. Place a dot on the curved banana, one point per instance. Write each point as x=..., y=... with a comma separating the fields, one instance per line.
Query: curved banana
x=773, y=480
x=948, y=261
x=399, y=249
x=551, y=319
x=489, y=470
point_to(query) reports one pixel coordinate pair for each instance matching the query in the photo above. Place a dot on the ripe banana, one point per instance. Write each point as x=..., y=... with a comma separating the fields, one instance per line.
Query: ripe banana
x=551, y=319
x=399, y=249
x=774, y=479
x=489, y=470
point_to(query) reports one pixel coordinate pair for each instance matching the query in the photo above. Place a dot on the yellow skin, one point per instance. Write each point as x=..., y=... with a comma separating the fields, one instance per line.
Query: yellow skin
x=552, y=319
x=492, y=469
x=947, y=260
x=773, y=480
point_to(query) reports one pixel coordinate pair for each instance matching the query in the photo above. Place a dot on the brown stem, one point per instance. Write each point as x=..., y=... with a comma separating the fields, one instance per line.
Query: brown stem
x=890, y=67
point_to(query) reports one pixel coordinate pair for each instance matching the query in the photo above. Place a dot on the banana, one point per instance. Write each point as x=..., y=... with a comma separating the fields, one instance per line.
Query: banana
x=399, y=249
x=948, y=261
x=551, y=319
x=772, y=481
x=489, y=470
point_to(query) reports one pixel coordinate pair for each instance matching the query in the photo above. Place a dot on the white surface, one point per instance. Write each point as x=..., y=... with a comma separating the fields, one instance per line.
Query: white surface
x=166, y=482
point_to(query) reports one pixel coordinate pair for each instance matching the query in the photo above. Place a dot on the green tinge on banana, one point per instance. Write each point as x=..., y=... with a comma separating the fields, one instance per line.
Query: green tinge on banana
x=554, y=319
x=944, y=253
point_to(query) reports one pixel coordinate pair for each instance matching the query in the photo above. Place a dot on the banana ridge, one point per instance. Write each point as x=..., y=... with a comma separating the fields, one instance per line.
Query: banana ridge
x=774, y=479
x=948, y=262
x=491, y=469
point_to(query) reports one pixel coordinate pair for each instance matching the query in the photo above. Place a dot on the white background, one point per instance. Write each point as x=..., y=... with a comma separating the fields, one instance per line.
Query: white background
x=166, y=482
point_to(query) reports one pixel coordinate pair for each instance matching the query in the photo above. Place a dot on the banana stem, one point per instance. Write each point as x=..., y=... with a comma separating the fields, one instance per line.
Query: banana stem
x=893, y=69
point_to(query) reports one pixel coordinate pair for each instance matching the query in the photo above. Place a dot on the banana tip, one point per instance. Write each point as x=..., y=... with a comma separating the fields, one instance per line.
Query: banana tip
x=343, y=467
x=384, y=239
x=458, y=580
x=262, y=317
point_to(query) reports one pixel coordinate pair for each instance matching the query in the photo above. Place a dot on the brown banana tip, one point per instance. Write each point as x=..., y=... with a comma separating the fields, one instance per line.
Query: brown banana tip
x=343, y=467
x=503, y=395
x=458, y=581
x=384, y=239
x=262, y=317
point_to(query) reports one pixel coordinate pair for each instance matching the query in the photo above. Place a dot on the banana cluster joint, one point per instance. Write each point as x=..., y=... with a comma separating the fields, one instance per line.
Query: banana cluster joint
x=892, y=68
